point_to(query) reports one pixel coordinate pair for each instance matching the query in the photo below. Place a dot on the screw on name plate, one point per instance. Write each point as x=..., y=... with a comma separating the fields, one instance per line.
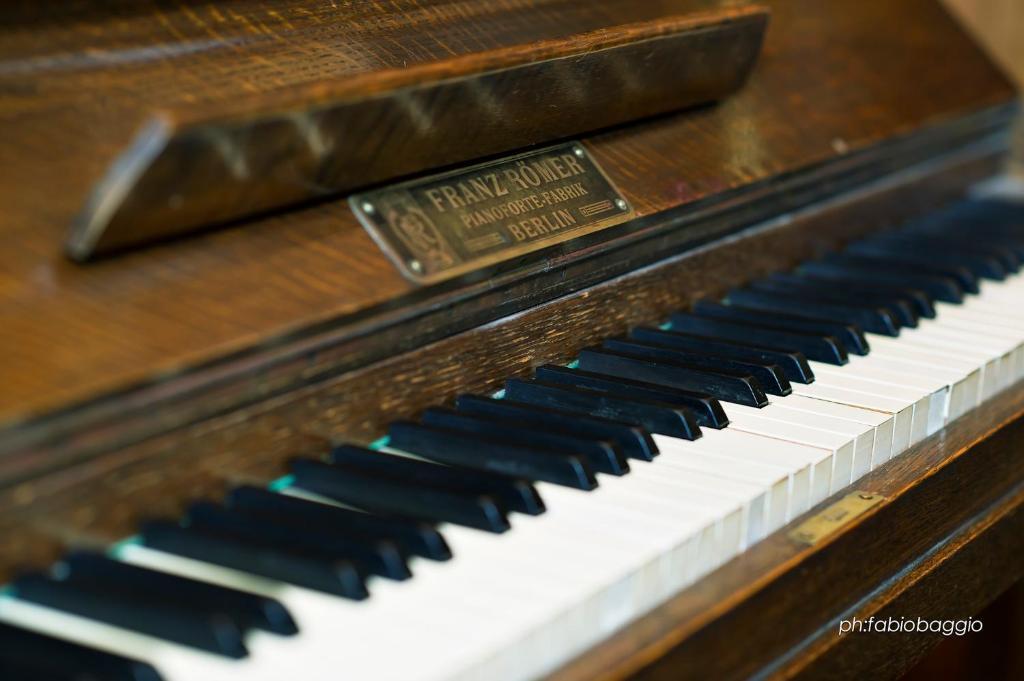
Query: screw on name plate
x=621, y=204
x=416, y=266
x=367, y=207
x=578, y=151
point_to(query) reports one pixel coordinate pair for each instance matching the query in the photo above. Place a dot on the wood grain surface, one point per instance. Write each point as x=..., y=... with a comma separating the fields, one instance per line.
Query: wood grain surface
x=832, y=82
x=202, y=166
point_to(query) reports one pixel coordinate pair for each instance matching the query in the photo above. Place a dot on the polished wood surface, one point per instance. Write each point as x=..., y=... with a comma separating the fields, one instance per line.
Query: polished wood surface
x=831, y=85
x=201, y=166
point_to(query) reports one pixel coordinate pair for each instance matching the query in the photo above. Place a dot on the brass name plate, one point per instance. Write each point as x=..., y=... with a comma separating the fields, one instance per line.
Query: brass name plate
x=843, y=512
x=448, y=224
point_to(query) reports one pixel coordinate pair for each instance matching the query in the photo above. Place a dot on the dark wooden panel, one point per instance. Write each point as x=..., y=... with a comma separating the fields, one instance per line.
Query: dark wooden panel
x=203, y=166
x=835, y=81
x=68, y=492
x=996, y=652
x=953, y=581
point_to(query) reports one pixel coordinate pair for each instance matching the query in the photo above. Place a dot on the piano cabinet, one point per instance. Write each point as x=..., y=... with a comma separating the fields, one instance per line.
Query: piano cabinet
x=177, y=363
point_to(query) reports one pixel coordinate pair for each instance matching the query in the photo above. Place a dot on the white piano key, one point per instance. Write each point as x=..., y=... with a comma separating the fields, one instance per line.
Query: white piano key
x=762, y=487
x=998, y=294
x=670, y=503
x=1013, y=367
x=861, y=435
x=759, y=421
x=996, y=342
x=920, y=401
x=616, y=621
x=937, y=392
x=1009, y=330
x=740, y=461
x=989, y=362
x=676, y=527
x=711, y=485
x=963, y=378
x=881, y=424
x=901, y=411
x=652, y=466
x=812, y=464
x=979, y=314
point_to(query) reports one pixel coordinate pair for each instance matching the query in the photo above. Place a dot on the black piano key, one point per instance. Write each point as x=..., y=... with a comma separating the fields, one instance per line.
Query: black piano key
x=245, y=609
x=1006, y=238
x=849, y=336
x=603, y=455
x=20, y=670
x=871, y=318
x=656, y=417
x=705, y=408
x=1013, y=245
x=994, y=219
x=771, y=377
x=385, y=495
x=41, y=657
x=1001, y=230
x=1016, y=243
x=634, y=442
x=308, y=569
x=414, y=537
x=900, y=248
x=1009, y=251
x=458, y=448
x=977, y=215
x=876, y=265
x=510, y=493
x=993, y=211
x=921, y=302
x=213, y=633
x=729, y=386
x=794, y=365
x=821, y=348
x=939, y=286
x=378, y=557
x=900, y=306
x=970, y=245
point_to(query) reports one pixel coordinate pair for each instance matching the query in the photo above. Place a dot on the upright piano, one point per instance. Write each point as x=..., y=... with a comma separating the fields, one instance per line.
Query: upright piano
x=451, y=339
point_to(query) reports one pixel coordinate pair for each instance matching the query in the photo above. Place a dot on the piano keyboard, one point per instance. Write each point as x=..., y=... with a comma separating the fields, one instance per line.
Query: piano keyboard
x=498, y=538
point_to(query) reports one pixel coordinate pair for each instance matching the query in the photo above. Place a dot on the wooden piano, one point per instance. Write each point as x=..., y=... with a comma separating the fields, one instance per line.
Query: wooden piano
x=438, y=339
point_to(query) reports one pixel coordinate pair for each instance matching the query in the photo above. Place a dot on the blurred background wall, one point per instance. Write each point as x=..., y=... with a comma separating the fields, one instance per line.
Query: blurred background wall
x=999, y=25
